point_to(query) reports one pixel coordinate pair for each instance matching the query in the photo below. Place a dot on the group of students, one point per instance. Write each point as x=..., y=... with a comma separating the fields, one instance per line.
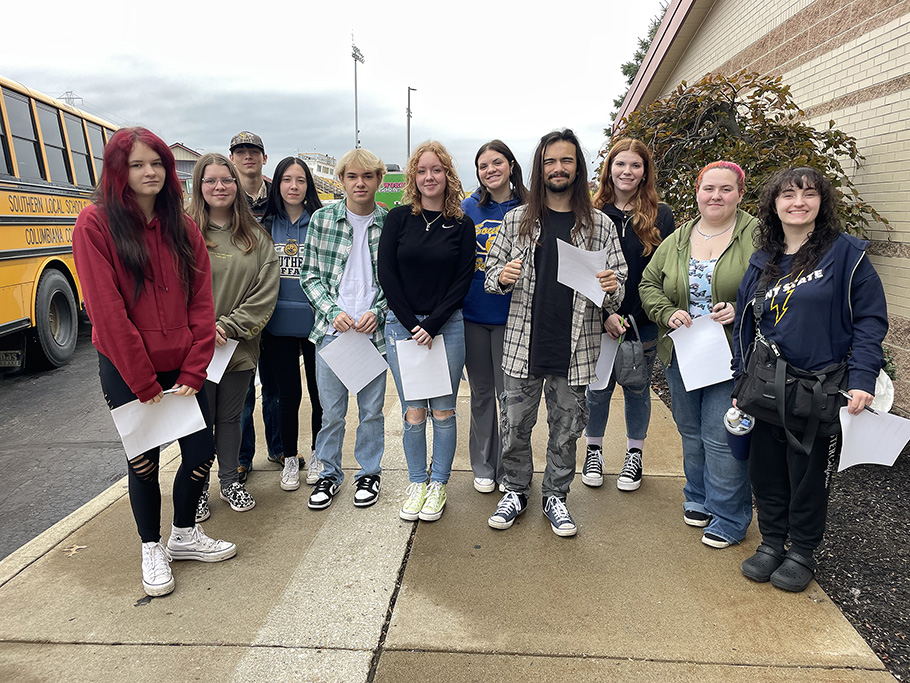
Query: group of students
x=162, y=289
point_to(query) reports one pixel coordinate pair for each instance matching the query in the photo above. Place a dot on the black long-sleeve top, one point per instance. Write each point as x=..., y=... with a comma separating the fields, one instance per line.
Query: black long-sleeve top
x=425, y=270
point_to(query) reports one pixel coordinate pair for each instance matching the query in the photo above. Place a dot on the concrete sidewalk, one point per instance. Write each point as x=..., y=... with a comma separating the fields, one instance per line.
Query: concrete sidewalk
x=352, y=595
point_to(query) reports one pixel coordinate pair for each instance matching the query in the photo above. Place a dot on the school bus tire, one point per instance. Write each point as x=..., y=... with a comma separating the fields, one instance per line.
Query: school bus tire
x=56, y=319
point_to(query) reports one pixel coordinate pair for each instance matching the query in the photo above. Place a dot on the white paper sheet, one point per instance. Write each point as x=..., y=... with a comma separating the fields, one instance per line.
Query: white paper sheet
x=424, y=372
x=703, y=353
x=143, y=427
x=223, y=354
x=604, y=368
x=578, y=269
x=874, y=439
x=354, y=360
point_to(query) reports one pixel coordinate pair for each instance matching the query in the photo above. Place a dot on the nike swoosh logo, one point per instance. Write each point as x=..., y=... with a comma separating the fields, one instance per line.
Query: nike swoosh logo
x=446, y=227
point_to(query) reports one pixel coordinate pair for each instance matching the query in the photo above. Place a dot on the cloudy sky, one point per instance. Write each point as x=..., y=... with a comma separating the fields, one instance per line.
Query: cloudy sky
x=197, y=73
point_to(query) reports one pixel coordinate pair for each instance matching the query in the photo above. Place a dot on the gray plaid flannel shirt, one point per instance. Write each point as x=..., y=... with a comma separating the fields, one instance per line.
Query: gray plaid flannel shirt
x=325, y=253
x=587, y=319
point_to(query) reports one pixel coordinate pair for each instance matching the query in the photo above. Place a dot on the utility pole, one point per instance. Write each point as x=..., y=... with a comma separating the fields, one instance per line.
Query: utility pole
x=71, y=98
x=358, y=57
x=409, y=121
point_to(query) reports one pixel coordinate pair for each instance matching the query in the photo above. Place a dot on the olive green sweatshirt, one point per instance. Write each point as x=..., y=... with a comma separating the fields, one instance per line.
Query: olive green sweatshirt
x=245, y=288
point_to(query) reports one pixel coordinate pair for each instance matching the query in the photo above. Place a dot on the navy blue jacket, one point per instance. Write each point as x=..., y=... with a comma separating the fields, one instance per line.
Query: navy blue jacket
x=293, y=316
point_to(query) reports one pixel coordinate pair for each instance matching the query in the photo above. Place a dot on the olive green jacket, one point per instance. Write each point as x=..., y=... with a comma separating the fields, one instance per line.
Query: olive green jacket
x=665, y=284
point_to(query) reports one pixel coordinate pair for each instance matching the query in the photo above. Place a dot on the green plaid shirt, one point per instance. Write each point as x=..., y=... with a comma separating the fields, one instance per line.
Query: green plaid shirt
x=587, y=320
x=325, y=254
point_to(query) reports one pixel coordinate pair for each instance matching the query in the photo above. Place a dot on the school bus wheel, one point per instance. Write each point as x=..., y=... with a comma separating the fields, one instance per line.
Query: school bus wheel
x=56, y=318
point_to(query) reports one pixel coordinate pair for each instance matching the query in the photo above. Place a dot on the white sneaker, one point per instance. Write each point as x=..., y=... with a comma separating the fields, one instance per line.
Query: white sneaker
x=290, y=476
x=313, y=469
x=484, y=485
x=195, y=545
x=157, y=579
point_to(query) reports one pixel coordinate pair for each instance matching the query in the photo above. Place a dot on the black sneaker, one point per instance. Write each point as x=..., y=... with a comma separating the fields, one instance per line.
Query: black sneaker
x=592, y=474
x=510, y=506
x=322, y=494
x=367, y=490
x=630, y=477
x=695, y=518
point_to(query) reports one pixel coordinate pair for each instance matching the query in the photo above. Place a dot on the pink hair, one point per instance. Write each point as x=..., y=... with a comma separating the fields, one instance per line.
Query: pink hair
x=727, y=166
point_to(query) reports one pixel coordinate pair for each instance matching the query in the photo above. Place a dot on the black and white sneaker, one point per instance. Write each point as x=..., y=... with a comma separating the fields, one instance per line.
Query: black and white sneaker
x=592, y=474
x=202, y=507
x=366, y=490
x=630, y=477
x=322, y=494
x=561, y=521
x=237, y=497
x=510, y=506
x=696, y=518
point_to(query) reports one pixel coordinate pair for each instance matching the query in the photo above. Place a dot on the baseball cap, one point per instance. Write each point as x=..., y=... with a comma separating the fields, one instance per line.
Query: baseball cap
x=247, y=138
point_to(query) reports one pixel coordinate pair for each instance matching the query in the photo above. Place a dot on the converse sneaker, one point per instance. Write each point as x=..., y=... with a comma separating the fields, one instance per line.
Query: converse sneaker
x=237, y=497
x=714, y=541
x=592, y=474
x=417, y=494
x=157, y=579
x=484, y=485
x=202, y=507
x=322, y=494
x=696, y=518
x=290, y=476
x=313, y=469
x=366, y=490
x=510, y=506
x=630, y=477
x=561, y=521
x=193, y=544
x=435, y=502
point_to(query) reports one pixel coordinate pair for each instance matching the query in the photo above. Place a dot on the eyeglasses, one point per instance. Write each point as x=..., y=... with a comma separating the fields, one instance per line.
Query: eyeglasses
x=212, y=182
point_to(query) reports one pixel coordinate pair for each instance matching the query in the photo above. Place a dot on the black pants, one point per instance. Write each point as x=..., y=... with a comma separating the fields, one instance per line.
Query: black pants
x=284, y=356
x=791, y=489
x=197, y=452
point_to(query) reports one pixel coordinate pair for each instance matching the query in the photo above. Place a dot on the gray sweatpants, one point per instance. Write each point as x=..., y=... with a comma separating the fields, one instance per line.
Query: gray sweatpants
x=567, y=414
x=225, y=406
x=483, y=361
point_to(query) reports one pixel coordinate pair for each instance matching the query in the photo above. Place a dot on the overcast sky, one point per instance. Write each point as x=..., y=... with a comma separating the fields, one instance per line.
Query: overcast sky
x=197, y=73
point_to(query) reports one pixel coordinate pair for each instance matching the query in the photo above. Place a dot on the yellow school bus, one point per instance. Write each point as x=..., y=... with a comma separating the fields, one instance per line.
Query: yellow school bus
x=50, y=161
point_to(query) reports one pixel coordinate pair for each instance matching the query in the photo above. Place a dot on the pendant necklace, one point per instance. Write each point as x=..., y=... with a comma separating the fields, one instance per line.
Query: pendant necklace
x=429, y=223
x=711, y=237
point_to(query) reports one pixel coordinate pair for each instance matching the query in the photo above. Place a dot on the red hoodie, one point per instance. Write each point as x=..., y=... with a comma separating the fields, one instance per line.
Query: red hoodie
x=160, y=331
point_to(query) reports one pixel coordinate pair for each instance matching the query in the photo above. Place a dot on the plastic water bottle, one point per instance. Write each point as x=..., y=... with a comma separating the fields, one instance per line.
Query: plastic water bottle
x=739, y=432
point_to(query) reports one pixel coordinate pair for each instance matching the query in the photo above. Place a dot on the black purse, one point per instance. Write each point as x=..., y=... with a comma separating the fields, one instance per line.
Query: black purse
x=781, y=394
x=629, y=367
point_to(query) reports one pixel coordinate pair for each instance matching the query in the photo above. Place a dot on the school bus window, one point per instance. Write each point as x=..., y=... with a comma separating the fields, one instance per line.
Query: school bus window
x=24, y=137
x=81, y=163
x=4, y=154
x=97, y=142
x=57, y=163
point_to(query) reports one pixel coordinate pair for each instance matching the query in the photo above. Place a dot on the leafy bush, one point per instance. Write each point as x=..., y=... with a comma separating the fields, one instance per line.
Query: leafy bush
x=752, y=120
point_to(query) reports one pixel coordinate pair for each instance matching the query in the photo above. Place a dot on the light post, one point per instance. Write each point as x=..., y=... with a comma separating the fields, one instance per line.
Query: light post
x=409, y=120
x=358, y=57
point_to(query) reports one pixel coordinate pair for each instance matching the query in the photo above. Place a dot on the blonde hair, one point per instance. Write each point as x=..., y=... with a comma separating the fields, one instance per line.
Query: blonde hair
x=360, y=158
x=451, y=206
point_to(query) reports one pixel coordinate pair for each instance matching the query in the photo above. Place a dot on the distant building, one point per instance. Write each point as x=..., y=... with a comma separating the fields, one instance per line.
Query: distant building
x=186, y=160
x=322, y=166
x=844, y=60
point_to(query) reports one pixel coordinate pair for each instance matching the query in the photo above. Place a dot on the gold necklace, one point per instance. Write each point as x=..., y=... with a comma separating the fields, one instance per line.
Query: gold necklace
x=429, y=223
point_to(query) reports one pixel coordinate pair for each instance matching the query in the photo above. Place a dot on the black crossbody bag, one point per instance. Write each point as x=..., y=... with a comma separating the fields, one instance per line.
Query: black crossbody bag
x=781, y=394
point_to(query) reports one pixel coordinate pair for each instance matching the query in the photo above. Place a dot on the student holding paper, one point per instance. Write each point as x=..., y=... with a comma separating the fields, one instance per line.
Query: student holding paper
x=339, y=276
x=824, y=303
x=628, y=196
x=696, y=272
x=426, y=261
x=501, y=190
x=245, y=287
x=148, y=292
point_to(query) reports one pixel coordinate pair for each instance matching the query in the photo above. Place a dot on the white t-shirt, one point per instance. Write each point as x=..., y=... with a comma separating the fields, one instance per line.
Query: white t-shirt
x=358, y=289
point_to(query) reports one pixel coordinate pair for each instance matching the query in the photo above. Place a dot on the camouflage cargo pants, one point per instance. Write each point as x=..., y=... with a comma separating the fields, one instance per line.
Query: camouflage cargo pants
x=567, y=414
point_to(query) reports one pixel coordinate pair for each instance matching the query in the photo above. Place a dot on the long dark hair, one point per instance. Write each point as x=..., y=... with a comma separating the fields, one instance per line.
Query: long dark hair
x=644, y=200
x=770, y=233
x=125, y=219
x=519, y=191
x=579, y=202
x=245, y=231
x=275, y=205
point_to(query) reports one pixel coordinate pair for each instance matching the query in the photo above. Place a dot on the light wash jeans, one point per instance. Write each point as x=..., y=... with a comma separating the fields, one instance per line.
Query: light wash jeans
x=716, y=482
x=636, y=400
x=333, y=396
x=414, y=436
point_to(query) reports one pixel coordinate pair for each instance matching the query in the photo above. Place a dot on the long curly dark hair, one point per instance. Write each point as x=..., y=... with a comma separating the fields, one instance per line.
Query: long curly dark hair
x=770, y=233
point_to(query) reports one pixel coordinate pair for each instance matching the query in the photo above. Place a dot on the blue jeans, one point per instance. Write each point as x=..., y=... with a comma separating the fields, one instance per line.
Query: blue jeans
x=716, y=482
x=636, y=400
x=269, y=417
x=414, y=436
x=370, y=442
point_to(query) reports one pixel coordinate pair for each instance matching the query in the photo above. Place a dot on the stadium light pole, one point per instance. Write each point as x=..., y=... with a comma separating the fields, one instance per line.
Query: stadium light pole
x=409, y=121
x=358, y=57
